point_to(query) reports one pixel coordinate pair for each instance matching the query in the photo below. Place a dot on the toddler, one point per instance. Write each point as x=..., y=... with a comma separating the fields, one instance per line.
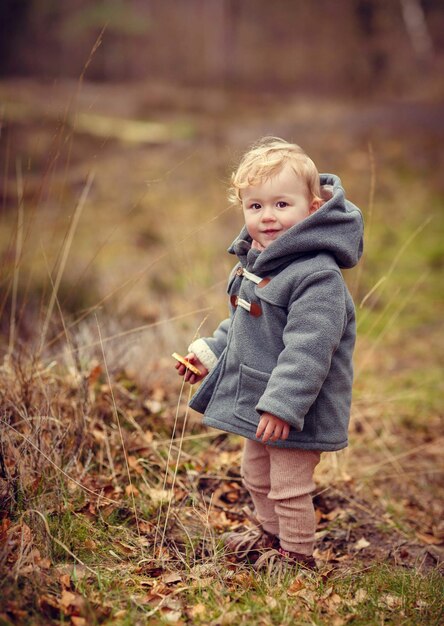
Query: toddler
x=278, y=370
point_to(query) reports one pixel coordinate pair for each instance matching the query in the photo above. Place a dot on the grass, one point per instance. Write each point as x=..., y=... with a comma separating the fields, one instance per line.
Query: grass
x=93, y=550
x=109, y=515
x=394, y=596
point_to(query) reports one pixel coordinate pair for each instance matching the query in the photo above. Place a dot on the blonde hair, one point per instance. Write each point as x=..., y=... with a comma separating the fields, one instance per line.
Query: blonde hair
x=265, y=159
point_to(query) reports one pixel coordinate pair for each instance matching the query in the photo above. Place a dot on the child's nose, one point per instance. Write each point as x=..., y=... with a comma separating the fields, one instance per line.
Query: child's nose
x=268, y=214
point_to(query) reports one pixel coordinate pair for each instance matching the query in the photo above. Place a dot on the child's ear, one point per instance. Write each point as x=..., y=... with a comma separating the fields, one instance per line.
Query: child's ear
x=315, y=204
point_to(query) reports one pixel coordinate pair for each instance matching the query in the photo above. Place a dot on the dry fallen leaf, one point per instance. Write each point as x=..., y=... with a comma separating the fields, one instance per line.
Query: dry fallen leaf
x=172, y=617
x=94, y=374
x=157, y=496
x=332, y=515
x=308, y=596
x=271, y=602
x=67, y=598
x=361, y=544
x=145, y=527
x=134, y=464
x=77, y=572
x=198, y=610
x=45, y=563
x=325, y=555
x=131, y=490
x=296, y=586
x=228, y=618
x=360, y=596
x=125, y=547
x=153, y=406
x=171, y=578
x=421, y=604
x=98, y=435
x=390, y=601
x=335, y=599
x=243, y=579
x=65, y=580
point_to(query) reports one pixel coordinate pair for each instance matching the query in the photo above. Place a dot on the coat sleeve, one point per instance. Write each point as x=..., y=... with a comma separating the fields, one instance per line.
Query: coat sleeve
x=208, y=350
x=315, y=323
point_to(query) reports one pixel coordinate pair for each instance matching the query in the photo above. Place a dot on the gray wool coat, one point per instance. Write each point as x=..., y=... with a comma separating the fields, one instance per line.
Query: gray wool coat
x=287, y=346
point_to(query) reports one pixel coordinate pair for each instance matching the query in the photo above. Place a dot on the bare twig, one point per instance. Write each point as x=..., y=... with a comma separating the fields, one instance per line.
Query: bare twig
x=18, y=254
x=73, y=227
x=116, y=415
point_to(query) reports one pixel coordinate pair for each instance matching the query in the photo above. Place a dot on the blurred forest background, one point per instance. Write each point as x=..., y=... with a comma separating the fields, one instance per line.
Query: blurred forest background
x=157, y=99
x=121, y=121
x=249, y=44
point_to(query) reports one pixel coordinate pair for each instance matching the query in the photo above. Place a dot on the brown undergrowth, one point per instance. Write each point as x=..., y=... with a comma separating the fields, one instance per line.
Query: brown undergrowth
x=113, y=498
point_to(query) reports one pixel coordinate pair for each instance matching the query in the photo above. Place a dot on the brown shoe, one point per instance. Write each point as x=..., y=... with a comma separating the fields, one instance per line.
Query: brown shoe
x=295, y=558
x=249, y=544
x=279, y=557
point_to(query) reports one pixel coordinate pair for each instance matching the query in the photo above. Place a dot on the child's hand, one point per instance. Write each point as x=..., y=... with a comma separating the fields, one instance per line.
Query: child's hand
x=272, y=428
x=189, y=375
x=255, y=245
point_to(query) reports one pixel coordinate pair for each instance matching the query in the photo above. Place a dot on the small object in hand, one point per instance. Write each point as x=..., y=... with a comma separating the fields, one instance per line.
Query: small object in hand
x=187, y=364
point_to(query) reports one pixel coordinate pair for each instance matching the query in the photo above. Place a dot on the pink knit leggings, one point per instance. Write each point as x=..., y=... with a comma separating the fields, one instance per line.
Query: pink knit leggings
x=280, y=482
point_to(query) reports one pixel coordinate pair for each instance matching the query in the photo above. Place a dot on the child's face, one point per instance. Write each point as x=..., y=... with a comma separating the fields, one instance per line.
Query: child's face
x=275, y=205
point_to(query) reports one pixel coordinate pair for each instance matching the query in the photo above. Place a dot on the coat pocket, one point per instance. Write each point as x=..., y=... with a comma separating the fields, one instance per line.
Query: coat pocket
x=203, y=395
x=251, y=385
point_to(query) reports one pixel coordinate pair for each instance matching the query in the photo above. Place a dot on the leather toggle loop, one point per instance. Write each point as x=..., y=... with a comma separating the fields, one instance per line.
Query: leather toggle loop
x=260, y=282
x=253, y=308
x=264, y=282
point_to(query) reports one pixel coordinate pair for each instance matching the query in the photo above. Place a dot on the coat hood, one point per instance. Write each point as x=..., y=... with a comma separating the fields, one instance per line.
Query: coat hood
x=336, y=228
